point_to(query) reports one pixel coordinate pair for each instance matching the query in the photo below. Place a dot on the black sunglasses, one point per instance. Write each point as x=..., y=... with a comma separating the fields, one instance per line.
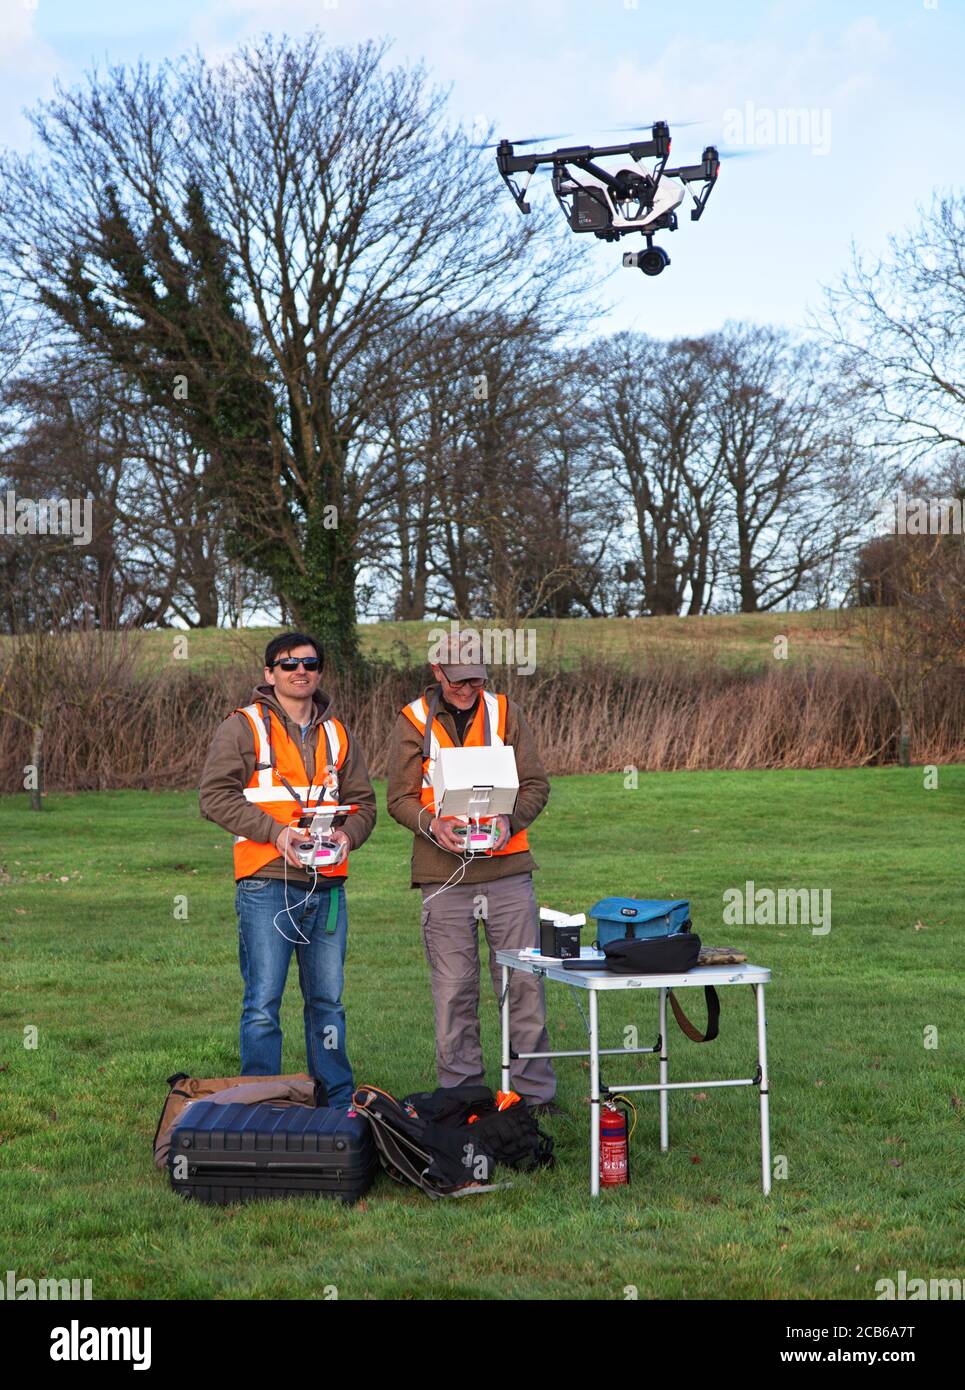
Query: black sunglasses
x=292, y=663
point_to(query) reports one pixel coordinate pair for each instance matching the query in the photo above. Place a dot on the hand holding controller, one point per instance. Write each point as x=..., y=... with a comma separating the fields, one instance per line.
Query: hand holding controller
x=289, y=841
x=441, y=827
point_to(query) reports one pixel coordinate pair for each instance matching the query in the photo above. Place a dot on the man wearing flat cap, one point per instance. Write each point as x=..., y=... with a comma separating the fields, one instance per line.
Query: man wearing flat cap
x=460, y=890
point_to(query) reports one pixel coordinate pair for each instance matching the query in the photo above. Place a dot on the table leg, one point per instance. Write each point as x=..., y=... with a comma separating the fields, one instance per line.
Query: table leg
x=594, y=1095
x=664, y=1077
x=765, y=1098
x=504, y=1013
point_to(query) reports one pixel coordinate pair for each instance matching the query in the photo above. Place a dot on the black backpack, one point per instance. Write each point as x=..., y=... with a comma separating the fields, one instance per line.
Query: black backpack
x=449, y=1141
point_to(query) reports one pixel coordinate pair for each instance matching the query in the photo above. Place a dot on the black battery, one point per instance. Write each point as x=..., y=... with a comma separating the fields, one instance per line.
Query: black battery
x=562, y=942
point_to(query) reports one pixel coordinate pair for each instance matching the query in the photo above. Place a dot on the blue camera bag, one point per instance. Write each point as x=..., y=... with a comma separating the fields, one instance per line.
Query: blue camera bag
x=639, y=919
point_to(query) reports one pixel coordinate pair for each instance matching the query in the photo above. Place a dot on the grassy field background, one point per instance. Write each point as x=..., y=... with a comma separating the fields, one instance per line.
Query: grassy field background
x=731, y=638
x=869, y=1119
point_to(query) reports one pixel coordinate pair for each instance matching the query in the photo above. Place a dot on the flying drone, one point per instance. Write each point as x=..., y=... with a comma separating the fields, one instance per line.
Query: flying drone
x=614, y=204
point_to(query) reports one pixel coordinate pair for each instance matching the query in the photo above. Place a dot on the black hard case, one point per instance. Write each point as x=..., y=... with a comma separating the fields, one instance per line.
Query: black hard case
x=242, y=1153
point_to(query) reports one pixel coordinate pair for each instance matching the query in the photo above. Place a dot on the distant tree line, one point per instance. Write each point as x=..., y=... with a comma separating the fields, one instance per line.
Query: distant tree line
x=275, y=319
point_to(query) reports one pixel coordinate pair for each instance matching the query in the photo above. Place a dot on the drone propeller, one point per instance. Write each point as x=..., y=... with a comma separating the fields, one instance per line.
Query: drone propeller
x=729, y=154
x=648, y=125
x=533, y=140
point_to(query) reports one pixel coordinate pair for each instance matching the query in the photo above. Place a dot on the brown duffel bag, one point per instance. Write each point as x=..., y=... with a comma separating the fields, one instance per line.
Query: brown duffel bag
x=298, y=1089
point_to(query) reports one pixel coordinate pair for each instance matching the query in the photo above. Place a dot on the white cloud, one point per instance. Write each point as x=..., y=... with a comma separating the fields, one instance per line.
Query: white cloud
x=28, y=66
x=518, y=63
x=698, y=80
x=866, y=39
x=22, y=51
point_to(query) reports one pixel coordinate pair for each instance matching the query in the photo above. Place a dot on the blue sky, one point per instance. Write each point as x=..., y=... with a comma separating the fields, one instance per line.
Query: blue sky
x=881, y=85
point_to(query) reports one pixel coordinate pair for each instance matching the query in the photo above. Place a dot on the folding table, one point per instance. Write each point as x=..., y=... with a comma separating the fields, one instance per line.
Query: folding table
x=595, y=983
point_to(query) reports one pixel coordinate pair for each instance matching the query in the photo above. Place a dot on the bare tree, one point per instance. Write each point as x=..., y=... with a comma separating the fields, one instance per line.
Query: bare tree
x=898, y=318
x=573, y=514
x=798, y=481
x=910, y=595
x=244, y=595
x=259, y=228
x=652, y=410
x=16, y=333
x=67, y=445
x=420, y=424
x=81, y=433
x=493, y=508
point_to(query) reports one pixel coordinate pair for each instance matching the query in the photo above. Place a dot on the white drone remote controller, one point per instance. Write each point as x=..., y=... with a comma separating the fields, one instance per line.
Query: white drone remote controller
x=479, y=837
x=318, y=851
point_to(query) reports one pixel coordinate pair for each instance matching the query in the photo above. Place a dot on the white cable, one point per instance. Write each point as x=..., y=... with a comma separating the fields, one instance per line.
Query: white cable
x=460, y=869
x=305, y=941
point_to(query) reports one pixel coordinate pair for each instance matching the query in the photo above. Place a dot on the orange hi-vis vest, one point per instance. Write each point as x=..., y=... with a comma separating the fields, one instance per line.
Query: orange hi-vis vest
x=267, y=787
x=490, y=716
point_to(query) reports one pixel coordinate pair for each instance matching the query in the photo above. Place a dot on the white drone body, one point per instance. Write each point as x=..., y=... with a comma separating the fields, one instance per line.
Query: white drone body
x=629, y=215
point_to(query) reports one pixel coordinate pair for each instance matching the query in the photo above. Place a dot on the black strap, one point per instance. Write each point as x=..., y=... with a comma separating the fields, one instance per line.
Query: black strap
x=433, y=707
x=713, y=1016
x=266, y=720
x=172, y=1091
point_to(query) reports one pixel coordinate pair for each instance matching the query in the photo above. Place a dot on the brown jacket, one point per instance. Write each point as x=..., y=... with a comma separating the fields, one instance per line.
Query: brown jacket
x=231, y=762
x=430, y=863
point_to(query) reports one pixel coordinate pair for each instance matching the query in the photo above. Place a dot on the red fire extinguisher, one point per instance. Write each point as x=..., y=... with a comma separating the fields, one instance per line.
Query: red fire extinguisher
x=614, y=1143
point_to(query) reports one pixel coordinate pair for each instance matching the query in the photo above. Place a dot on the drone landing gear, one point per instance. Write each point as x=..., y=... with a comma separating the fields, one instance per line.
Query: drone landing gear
x=651, y=262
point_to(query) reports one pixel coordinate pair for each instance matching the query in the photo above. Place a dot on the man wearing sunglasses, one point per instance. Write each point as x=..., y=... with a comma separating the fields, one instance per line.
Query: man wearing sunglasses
x=279, y=756
x=459, y=891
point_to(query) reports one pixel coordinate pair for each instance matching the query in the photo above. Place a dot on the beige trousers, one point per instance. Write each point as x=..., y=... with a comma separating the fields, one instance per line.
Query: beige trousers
x=450, y=934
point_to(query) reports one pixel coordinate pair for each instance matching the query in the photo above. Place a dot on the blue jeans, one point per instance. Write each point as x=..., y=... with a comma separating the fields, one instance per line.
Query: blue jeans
x=265, y=955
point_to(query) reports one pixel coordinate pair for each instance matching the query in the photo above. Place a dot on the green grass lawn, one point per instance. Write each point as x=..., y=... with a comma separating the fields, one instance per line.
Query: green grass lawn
x=868, y=1119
